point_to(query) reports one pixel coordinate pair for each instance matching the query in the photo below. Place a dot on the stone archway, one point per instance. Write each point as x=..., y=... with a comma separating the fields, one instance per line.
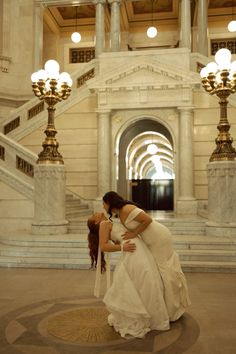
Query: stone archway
x=136, y=128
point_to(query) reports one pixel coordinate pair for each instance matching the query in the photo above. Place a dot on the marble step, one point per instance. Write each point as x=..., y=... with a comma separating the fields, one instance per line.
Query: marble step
x=83, y=252
x=58, y=263
x=76, y=225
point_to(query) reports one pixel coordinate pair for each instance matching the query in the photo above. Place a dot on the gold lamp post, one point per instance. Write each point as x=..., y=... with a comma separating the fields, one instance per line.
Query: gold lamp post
x=219, y=78
x=52, y=87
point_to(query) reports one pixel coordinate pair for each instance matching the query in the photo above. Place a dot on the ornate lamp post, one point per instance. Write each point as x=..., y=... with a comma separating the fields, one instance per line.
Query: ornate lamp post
x=51, y=87
x=49, y=173
x=219, y=78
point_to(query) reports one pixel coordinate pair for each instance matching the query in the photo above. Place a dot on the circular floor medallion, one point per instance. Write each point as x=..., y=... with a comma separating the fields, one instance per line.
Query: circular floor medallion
x=82, y=325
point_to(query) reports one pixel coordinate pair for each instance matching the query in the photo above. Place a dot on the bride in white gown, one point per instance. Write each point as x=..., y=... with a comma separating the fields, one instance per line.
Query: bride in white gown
x=135, y=298
x=158, y=239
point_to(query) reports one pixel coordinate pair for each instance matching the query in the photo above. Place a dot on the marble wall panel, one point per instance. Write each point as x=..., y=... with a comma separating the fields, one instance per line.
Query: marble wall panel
x=16, y=208
x=78, y=151
x=208, y=116
x=8, y=193
x=77, y=120
x=202, y=99
x=85, y=192
x=203, y=148
x=86, y=105
x=81, y=179
x=200, y=178
x=205, y=133
x=201, y=192
x=81, y=165
x=200, y=162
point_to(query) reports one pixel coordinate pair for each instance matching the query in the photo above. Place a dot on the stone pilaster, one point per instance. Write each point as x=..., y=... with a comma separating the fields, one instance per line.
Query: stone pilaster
x=202, y=22
x=49, y=200
x=185, y=25
x=221, y=198
x=115, y=25
x=100, y=27
x=38, y=36
x=186, y=203
x=104, y=152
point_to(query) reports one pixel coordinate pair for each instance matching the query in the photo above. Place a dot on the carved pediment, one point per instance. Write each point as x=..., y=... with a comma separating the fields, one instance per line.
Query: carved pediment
x=145, y=74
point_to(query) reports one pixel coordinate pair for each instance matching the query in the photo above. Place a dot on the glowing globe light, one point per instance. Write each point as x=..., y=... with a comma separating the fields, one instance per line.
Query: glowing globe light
x=152, y=32
x=232, y=26
x=76, y=37
x=152, y=149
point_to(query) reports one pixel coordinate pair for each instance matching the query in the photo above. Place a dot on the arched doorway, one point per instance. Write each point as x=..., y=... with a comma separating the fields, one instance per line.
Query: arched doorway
x=147, y=177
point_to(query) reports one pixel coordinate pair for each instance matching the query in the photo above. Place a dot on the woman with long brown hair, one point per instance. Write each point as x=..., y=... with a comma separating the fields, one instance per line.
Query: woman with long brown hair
x=135, y=299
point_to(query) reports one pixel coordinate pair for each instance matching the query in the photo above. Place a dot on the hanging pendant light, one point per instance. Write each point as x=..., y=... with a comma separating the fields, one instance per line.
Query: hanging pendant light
x=152, y=31
x=76, y=36
x=232, y=23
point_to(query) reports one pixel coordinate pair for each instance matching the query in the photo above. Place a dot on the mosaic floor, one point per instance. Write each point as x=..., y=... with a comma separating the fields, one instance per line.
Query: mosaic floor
x=53, y=324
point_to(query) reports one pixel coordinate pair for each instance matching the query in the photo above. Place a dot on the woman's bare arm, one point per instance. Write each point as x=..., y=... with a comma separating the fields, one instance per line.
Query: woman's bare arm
x=104, y=237
x=144, y=220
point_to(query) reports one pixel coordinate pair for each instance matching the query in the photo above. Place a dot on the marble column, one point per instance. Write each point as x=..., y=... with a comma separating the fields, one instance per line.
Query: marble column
x=202, y=22
x=115, y=25
x=221, y=198
x=186, y=203
x=100, y=27
x=185, y=26
x=104, y=152
x=38, y=36
x=49, y=203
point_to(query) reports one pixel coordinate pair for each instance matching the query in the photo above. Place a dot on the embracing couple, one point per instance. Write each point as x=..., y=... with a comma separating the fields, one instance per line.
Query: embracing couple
x=149, y=289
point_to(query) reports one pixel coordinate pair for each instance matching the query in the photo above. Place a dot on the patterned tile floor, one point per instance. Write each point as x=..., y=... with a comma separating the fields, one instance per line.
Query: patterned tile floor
x=31, y=298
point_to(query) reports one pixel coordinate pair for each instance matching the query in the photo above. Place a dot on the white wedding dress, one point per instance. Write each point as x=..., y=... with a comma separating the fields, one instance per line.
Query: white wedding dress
x=135, y=299
x=158, y=239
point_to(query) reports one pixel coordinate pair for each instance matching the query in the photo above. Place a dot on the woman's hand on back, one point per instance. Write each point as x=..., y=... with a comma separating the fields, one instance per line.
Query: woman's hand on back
x=129, y=247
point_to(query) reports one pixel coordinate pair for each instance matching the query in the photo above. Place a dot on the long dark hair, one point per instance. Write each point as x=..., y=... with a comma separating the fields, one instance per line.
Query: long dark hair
x=115, y=201
x=93, y=244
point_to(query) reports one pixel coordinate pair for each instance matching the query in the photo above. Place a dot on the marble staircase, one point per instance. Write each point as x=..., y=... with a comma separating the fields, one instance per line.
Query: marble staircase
x=197, y=252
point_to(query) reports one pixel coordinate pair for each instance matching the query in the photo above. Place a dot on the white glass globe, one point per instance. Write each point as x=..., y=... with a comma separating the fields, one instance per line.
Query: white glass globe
x=42, y=75
x=232, y=26
x=35, y=77
x=76, y=37
x=152, y=149
x=223, y=55
x=51, y=65
x=212, y=67
x=204, y=72
x=233, y=67
x=65, y=77
x=151, y=32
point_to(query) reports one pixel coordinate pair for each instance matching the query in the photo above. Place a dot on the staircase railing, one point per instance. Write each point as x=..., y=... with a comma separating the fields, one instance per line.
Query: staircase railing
x=17, y=166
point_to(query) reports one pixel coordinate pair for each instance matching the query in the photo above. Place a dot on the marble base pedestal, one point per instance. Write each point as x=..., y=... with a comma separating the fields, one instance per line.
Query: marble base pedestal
x=221, y=198
x=49, y=202
x=186, y=206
